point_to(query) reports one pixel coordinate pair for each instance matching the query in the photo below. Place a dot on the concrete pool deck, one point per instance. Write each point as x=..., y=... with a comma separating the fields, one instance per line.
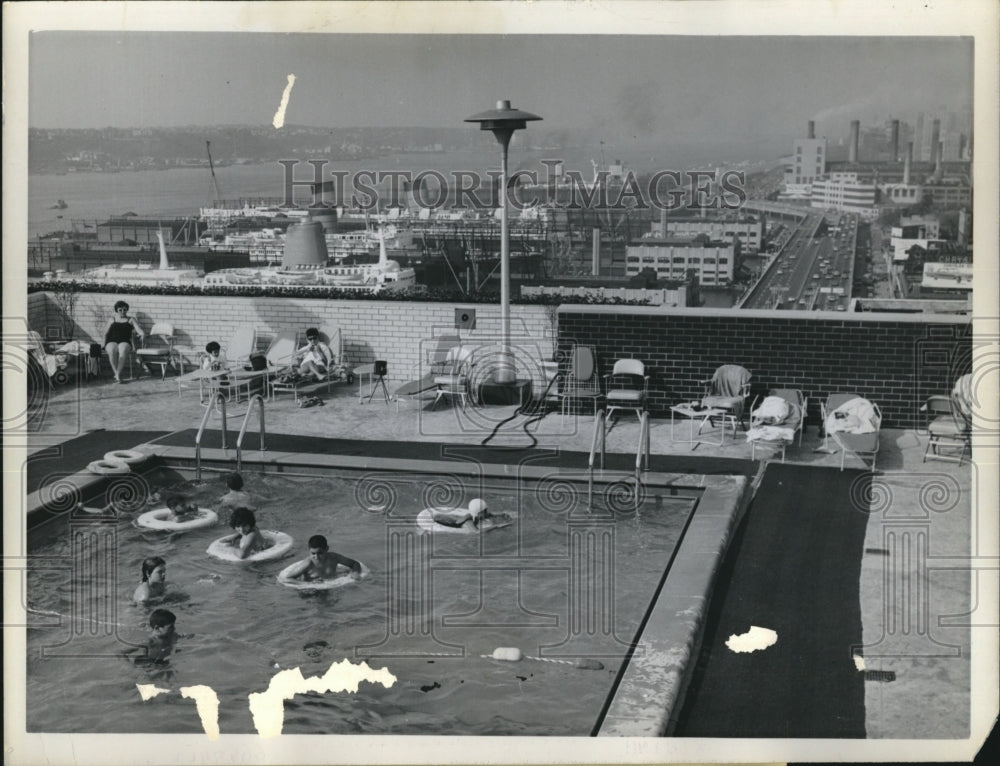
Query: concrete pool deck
x=922, y=635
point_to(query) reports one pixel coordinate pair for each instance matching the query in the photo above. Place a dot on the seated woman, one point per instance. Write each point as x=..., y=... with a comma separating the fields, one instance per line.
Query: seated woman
x=315, y=358
x=118, y=338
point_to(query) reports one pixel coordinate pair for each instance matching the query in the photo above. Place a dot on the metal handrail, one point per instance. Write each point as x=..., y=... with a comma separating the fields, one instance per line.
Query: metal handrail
x=218, y=397
x=641, y=451
x=259, y=399
x=600, y=427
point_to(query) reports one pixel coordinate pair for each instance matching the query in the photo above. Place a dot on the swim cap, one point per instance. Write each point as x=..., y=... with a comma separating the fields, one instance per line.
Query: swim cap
x=477, y=507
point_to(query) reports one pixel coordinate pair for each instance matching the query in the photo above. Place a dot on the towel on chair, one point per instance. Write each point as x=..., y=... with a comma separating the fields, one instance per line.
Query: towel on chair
x=729, y=380
x=770, y=433
x=856, y=416
x=772, y=411
x=961, y=395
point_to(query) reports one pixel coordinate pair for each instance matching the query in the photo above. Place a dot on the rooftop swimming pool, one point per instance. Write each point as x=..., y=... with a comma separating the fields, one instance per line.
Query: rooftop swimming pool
x=565, y=582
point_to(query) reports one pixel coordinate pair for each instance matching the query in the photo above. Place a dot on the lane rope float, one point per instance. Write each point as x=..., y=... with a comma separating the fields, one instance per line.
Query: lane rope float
x=281, y=545
x=325, y=584
x=127, y=456
x=513, y=654
x=159, y=519
x=108, y=467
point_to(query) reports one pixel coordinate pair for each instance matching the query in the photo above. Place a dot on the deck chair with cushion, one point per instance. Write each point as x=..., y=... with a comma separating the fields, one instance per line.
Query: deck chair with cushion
x=727, y=389
x=950, y=430
x=776, y=418
x=580, y=379
x=626, y=387
x=854, y=424
x=158, y=350
x=278, y=367
x=421, y=384
x=453, y=379
x=335, y=370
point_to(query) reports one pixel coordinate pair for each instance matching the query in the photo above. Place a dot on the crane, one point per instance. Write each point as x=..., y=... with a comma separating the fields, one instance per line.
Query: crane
x=215, y=181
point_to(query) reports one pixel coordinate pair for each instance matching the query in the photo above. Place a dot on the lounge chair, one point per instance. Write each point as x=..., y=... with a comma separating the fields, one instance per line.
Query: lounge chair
x=950, y=429
x=158, y=350
x=727, y=389
x=776, y=419
x=626, y=387
x=453, y=381
x=854, y=424
x=580, y=381
x=422, y=385
x=335, y=370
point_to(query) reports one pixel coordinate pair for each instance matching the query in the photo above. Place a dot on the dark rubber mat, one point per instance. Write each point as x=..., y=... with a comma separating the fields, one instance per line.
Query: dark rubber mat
x=794, y=568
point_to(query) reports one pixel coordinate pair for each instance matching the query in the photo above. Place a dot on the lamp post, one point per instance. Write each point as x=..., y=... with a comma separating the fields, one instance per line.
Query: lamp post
x=503, y=121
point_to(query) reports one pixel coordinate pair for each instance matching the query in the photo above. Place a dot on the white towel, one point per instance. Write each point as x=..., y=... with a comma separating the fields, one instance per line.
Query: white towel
x=772, y=410
x=770, y=433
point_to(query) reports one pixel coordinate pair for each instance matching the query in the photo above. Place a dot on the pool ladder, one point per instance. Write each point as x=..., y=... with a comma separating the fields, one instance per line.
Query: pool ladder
x=218, y=401
x=598, y=442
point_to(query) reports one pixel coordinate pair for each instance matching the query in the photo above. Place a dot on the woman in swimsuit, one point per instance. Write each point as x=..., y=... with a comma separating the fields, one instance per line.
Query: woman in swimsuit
x=118, y=338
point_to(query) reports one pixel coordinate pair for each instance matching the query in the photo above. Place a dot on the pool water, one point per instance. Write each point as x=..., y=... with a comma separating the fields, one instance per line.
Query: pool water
x=562, y=583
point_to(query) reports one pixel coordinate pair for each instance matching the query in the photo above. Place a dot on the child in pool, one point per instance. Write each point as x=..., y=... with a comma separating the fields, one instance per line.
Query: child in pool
x=477, y=515
x=180, y=509
x=162, y=623
x=248, y=539
x=236, y=497
x=154, y=578
x=322, y=562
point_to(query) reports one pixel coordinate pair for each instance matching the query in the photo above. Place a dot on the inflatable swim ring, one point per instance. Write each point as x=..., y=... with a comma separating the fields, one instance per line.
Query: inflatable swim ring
x=425, y=520
x=333, y=582
x=108, y=467
x=281, y=545
x=159, y=519
x=127, y=456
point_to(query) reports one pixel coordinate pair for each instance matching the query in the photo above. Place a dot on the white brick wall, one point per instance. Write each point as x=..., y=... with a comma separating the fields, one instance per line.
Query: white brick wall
x=401, y=332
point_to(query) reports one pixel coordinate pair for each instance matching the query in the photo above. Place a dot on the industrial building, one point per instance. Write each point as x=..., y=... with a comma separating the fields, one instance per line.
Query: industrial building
x=713, y=262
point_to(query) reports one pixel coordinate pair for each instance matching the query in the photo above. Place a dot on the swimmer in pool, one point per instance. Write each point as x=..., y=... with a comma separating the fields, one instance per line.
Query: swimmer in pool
x=162, y=623
x=248, y=538
x=236, y=497
x=180, y=509
x=322, y=563
x=154, y=578
x=477, y=515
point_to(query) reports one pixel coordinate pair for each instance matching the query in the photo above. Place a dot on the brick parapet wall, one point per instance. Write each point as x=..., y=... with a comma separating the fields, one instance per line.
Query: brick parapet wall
x=893, y=360
x=400, y=332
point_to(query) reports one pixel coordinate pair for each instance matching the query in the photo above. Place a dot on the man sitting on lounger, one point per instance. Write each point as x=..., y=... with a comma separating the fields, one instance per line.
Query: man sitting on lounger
x=315, y=357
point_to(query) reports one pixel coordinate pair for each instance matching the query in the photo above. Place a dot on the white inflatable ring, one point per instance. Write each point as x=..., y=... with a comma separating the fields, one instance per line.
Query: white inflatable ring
x=333, y=582
x=281, y=545
x=160, y=519
x=425, y=520
x=108, y=467
x=127, y=456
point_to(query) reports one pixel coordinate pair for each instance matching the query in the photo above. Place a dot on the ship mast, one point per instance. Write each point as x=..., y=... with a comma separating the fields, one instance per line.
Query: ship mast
x=215, y=181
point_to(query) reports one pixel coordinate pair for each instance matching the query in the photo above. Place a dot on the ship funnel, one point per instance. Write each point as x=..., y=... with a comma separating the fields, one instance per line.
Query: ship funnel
x=852, y=147
x=164, y=264
x=305, y=247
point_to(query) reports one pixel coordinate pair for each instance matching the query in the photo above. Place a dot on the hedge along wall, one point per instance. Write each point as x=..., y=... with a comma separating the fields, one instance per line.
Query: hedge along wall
x=400, y=332
x=895, y=360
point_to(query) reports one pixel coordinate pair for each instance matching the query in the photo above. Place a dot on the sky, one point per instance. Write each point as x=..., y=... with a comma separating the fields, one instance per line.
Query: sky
x=623, y=87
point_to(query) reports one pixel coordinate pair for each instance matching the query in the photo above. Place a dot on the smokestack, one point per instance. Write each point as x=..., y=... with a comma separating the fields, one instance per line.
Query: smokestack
x=935, y=140
x=895, y=140
x=595, y=256
x=852, y=148
x=907, y=161
x=938, y=170
x=811, y=132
